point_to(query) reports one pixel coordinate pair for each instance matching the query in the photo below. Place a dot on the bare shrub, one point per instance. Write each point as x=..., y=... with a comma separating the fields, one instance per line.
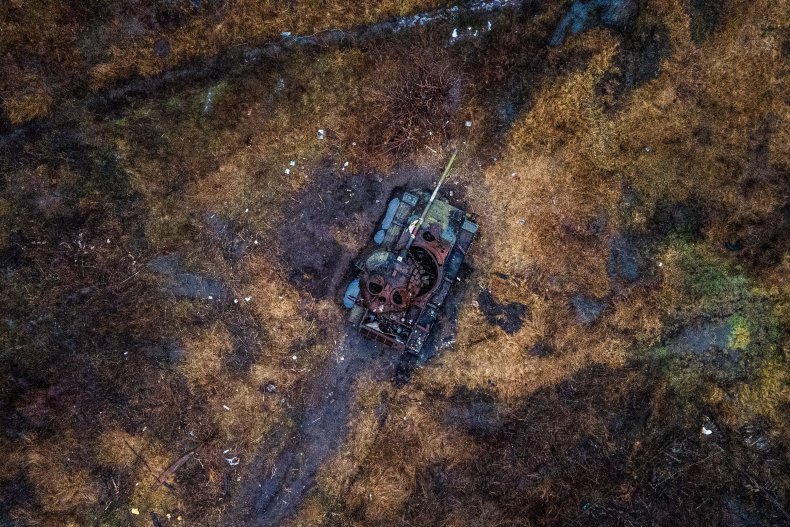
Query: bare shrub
x=412, y=96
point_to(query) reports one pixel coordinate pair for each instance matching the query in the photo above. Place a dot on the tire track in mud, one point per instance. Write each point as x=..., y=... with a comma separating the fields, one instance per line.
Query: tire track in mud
x=322, y=431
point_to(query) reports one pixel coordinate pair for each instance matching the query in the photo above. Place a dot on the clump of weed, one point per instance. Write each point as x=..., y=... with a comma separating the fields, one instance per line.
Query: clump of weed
x=412, y=96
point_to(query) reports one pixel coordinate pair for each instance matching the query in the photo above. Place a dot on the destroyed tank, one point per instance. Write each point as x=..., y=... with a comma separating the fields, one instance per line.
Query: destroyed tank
x=404, y=279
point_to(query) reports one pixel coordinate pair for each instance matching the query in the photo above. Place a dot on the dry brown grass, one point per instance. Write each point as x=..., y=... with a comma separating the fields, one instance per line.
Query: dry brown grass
x=412, y=96
x=561, y=168
x=27, y=107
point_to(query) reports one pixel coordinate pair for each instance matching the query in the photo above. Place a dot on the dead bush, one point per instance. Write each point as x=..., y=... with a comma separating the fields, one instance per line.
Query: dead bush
x=412, y=96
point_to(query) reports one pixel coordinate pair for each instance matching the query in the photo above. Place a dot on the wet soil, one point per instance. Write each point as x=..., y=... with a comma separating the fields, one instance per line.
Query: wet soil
x=330, y=210
x=508, y=316
x=278, y=484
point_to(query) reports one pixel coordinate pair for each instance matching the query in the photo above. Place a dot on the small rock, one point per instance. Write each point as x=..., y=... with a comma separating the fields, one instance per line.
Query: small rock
x=135, y=511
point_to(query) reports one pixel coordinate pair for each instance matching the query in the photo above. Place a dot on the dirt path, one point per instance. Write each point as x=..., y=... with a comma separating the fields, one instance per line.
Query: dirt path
x=275, y=491
x=244, y=58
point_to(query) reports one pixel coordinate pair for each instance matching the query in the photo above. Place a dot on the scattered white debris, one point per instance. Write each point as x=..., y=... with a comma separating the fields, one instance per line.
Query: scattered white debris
x=345, y=164
x=661, y=264
x=321, y=133
x=108, y=240
x=292, y=163
x=226, y=407
x=210, y=297
x=285, y=34
x=706, y=431
x=246, y=210
x=455, y=33
x=135, y=511
x=293, y=357
x=342, y=358
x=451, y=193
x=232, y=461
x=488, y=25
x=247, y=298
x=522, y=221
x=255, y=242
x=235, y=300
x=287, y=171
x=468, y=124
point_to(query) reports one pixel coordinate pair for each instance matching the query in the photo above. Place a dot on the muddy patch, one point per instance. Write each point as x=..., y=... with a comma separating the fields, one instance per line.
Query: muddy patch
x=508, y=316
x=222, y=233
x=626, y=263
x=278, y=484
x=638, y=62
x=542, y=349
x=687, y=218
x=584, y=15
x=711, y=343
x=332, y=218
x=706, y=17
x=587, y=308
x=475, y=411
x=180, y=283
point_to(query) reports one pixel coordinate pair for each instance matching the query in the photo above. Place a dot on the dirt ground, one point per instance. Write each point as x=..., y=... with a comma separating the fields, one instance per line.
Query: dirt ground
x=174, y=348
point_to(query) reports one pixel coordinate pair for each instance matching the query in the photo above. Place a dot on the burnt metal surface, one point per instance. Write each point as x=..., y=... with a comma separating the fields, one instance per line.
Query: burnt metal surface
x=403, y=282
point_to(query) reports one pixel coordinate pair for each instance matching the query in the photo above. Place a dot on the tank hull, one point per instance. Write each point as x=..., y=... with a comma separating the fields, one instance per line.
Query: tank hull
x=436, y=255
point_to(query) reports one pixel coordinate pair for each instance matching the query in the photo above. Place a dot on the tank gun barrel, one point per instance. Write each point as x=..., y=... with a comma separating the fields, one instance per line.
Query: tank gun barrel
x=405, y=251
